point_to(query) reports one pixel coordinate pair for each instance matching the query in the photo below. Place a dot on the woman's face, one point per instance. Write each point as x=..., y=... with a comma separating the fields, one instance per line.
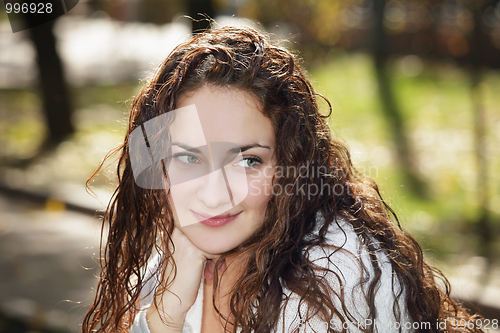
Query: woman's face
x=222, y=166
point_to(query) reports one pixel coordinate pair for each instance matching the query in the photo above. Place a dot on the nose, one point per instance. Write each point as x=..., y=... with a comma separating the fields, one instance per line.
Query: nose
x=214, y=192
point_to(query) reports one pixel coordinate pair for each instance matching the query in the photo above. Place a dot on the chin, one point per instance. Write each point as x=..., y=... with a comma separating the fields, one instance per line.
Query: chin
x=212, y=245
x=215, y=249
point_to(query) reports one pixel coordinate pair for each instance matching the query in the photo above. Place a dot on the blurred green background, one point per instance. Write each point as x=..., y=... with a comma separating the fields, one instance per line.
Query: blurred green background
x=414, y=85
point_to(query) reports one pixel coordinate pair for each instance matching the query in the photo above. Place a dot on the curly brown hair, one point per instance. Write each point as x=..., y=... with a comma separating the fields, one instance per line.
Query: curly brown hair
x=141, y=220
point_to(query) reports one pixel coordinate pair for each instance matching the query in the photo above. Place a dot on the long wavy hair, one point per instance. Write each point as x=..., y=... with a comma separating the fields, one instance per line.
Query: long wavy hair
x=141, y=220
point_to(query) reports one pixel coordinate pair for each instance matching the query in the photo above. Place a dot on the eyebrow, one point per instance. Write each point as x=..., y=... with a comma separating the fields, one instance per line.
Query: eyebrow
x=247, y=147
x=186, y=147
x=234, y=150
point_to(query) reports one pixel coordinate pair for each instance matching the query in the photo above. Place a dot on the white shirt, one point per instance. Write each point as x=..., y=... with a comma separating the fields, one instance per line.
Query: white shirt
x=345, y=264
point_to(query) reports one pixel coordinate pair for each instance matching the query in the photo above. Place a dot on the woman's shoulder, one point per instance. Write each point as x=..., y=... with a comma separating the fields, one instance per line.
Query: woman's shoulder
x=346, y=264
x=344, y=248
x=344, y=251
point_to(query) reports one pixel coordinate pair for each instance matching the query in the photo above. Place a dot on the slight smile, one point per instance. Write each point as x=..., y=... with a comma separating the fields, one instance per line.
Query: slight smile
x=215, y=221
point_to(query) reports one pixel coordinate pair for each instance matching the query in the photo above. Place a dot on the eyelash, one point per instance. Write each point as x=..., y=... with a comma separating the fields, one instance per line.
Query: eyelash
x=177, y=156
x=253, y=158
x=248, y=158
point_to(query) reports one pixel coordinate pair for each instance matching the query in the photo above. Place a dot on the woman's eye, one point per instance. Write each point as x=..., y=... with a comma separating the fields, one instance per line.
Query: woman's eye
x=188, y=159
x=249, y=162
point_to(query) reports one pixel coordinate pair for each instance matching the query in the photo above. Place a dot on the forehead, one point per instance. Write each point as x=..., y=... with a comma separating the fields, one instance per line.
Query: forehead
x=226, y=114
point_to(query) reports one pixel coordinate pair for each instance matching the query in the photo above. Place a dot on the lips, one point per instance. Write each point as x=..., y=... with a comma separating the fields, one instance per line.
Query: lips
x=215, y=221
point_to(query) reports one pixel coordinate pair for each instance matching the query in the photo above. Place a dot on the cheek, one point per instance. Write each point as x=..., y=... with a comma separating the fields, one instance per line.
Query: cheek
x=181, y=195
x=260, y=191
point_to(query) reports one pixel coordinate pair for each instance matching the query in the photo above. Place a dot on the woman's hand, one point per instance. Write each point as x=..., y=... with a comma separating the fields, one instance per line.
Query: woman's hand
x=175, y=302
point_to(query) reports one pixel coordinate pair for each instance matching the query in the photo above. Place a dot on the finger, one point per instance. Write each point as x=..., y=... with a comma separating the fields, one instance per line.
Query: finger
x=209, y=270
x=222, y=266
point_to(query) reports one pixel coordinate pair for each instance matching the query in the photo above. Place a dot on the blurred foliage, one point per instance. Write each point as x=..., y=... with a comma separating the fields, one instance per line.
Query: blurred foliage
x=437, y=105
x=430, y=29
x=100, y=120
x=150, y=11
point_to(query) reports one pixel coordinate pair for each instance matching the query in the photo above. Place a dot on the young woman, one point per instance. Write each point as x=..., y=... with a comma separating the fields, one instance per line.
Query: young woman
x=237, y=212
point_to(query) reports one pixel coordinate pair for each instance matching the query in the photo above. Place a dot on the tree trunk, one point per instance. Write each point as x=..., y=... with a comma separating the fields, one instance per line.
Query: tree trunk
x=390, y=108
x=56, y=102
x=483, y=223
